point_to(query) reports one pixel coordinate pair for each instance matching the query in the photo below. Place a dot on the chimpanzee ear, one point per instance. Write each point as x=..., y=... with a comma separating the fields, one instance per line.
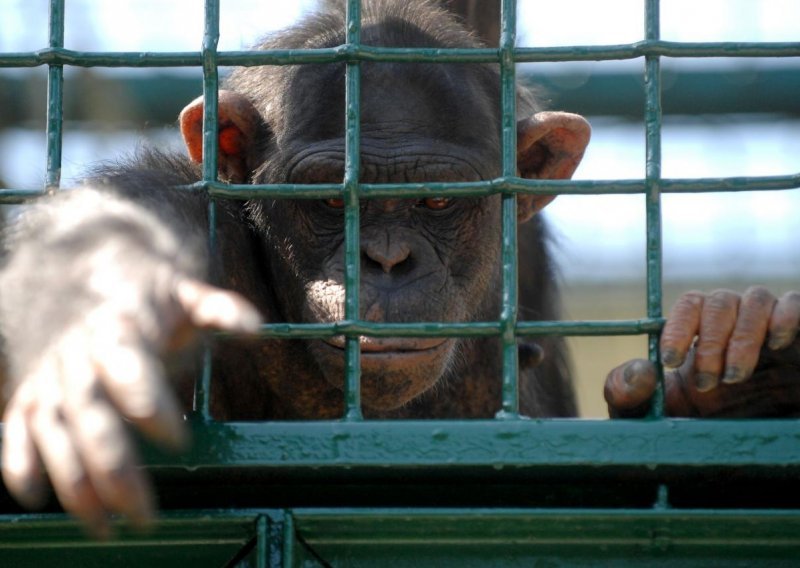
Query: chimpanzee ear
x=550, y=145
x=239, y=125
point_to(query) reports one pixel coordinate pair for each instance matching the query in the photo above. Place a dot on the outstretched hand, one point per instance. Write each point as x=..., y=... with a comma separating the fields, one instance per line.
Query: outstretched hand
x=727, y=356
x=67, y=415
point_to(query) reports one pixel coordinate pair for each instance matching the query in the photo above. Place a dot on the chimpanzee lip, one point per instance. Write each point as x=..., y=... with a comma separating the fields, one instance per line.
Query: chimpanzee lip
x=389, y=344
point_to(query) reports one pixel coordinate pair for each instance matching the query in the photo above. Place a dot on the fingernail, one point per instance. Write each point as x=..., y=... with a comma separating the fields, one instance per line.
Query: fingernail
x=670, y=358
x=734, y=375
x=627, y=375
x=777, y=342
x=704, y=382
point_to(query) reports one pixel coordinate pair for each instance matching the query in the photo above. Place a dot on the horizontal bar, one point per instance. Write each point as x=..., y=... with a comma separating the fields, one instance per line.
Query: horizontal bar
x=589, y=328
x=505, y=185
x=472, y=329
x=350, y=53
x=421, y=447
x=428, y=526
x=54, y=530
x=17, y=196
x=473, y=189
x=656, y=47
x=651, y=529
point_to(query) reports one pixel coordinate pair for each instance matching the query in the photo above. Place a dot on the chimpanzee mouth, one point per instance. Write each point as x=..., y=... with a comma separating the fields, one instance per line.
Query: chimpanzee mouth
x=393, y=370
x=379, y=345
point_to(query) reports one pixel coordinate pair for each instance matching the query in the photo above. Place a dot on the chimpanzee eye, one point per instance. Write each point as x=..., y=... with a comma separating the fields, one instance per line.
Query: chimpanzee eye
x=435, y=203
x=335, y=203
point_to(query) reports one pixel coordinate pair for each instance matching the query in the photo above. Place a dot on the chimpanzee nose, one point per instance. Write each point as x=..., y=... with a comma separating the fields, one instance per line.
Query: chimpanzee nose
x=386, y=252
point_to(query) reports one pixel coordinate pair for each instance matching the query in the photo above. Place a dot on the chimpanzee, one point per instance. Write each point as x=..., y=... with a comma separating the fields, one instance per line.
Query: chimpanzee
x=102, y=283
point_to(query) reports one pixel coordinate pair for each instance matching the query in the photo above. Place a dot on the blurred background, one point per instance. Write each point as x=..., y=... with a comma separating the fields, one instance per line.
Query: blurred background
x=722, y=117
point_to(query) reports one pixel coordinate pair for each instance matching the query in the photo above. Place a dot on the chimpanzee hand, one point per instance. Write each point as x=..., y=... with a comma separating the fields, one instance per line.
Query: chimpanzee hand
x=86, y=346
x=720, y=365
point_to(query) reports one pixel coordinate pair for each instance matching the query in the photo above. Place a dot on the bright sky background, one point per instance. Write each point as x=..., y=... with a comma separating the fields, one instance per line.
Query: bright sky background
x=730, y=235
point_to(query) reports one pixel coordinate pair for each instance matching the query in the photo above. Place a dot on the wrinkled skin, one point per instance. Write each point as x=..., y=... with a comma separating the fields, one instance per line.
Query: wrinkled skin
x=121, y=249
x=728, y=355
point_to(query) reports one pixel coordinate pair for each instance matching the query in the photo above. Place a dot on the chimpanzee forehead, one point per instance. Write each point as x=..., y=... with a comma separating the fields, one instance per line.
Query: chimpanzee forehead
x=457, y=104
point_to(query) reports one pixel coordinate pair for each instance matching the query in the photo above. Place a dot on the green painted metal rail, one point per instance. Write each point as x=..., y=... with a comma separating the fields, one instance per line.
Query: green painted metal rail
x=437, y=537
x=510, y=491
x=57, y=55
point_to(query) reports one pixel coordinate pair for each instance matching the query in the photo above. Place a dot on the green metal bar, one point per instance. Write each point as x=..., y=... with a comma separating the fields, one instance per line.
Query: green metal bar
x=508, y=315
x=60, y=56
x=471, y=329
x=262, y=542
x=352, y=219
x=17, y=196
x=202, y=387
x=645, y=534
x=199, y=527
x=421, y=447
x=762, y=528
x=55, y=99
x=662, y=498
x=287, y=549
x=509, y=185
x=653, y=118
x=474, y=189
x=210, y=90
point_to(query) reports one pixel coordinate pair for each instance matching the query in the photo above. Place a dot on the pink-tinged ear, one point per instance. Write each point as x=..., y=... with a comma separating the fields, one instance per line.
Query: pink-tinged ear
x=550, y=145
x=239, y=126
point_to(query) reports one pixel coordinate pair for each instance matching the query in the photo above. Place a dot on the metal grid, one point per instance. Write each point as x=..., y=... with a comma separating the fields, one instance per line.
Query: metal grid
x=657, y=450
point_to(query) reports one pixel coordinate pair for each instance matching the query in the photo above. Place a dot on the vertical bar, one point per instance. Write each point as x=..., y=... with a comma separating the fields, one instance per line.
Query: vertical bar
x=508, y=316
x=210, y=93
x=55, y=99
x=202, y=387
x=653, y=117
x=275, y=540
x=662, y=498
x=352, y=391
x=287, y=549
x=262, y=543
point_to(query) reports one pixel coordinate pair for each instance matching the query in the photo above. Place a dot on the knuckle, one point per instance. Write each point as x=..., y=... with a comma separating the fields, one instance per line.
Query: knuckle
x=792, y=298
x=708, y=350
x=724, y=294
x=759, y=296
x=743, y=346
x=693, y=298
x=721, y=300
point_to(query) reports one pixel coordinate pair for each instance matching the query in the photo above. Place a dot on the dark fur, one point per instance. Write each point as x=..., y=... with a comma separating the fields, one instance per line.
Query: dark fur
x=268, y=249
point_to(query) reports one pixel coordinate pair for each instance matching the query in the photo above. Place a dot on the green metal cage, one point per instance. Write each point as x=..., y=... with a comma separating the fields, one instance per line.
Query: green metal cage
x=509, y=491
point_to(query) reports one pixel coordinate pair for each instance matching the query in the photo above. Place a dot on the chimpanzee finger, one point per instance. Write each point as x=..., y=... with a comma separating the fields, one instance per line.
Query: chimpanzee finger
x=103, y=441
x=629, y=389
x=749, y=333
x=22, y=472
x=215, y=308
x=135, y=382
x=61, y=457
x=785, y=321
x=717, y=322
x=682, y=326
